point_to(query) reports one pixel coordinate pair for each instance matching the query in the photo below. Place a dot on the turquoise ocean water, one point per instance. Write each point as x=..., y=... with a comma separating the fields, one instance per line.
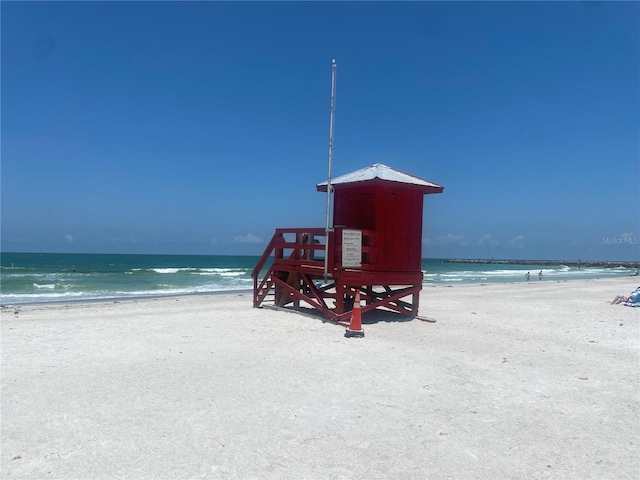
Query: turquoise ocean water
x=47, y=277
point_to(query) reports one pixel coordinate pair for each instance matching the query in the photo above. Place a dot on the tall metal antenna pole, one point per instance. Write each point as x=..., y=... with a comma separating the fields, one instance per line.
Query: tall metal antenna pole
x=331, y=122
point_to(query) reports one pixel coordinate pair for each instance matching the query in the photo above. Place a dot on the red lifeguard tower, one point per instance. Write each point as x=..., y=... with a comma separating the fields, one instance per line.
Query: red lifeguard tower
x=375, y=246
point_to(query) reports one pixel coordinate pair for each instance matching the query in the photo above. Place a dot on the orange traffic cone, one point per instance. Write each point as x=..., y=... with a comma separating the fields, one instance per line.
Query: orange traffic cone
x=355, y=326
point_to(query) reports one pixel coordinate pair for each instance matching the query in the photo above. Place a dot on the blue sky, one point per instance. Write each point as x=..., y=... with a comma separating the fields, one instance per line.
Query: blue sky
x=200, y=127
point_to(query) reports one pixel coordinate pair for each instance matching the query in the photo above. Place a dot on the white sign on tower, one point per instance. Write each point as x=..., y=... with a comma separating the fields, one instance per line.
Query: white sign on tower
x=351, y=248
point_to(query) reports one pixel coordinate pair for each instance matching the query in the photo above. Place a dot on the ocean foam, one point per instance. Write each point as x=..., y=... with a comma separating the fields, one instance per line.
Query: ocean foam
x=166, y=270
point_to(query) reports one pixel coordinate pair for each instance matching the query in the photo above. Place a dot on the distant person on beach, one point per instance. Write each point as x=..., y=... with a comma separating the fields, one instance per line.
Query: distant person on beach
x=633, y=297
x=527, y=276
x=540, y=275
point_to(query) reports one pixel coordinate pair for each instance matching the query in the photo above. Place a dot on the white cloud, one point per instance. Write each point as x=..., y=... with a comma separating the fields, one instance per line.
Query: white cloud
x=448, y=239
x=249, y=238
x=517, y=242
x=68, y=238
x=488, y=240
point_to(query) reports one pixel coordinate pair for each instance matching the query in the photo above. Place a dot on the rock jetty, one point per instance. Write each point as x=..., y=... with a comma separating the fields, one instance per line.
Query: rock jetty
x=568, y=263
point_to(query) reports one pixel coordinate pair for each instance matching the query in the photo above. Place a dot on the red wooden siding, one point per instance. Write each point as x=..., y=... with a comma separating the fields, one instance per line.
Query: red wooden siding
x=394, y=211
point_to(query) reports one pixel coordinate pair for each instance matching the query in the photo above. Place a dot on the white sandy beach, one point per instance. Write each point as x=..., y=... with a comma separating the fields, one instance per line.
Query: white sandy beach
x=518, y=381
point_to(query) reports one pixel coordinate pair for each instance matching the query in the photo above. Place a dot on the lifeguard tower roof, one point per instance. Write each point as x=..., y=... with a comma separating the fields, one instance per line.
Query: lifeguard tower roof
x=382, y=172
